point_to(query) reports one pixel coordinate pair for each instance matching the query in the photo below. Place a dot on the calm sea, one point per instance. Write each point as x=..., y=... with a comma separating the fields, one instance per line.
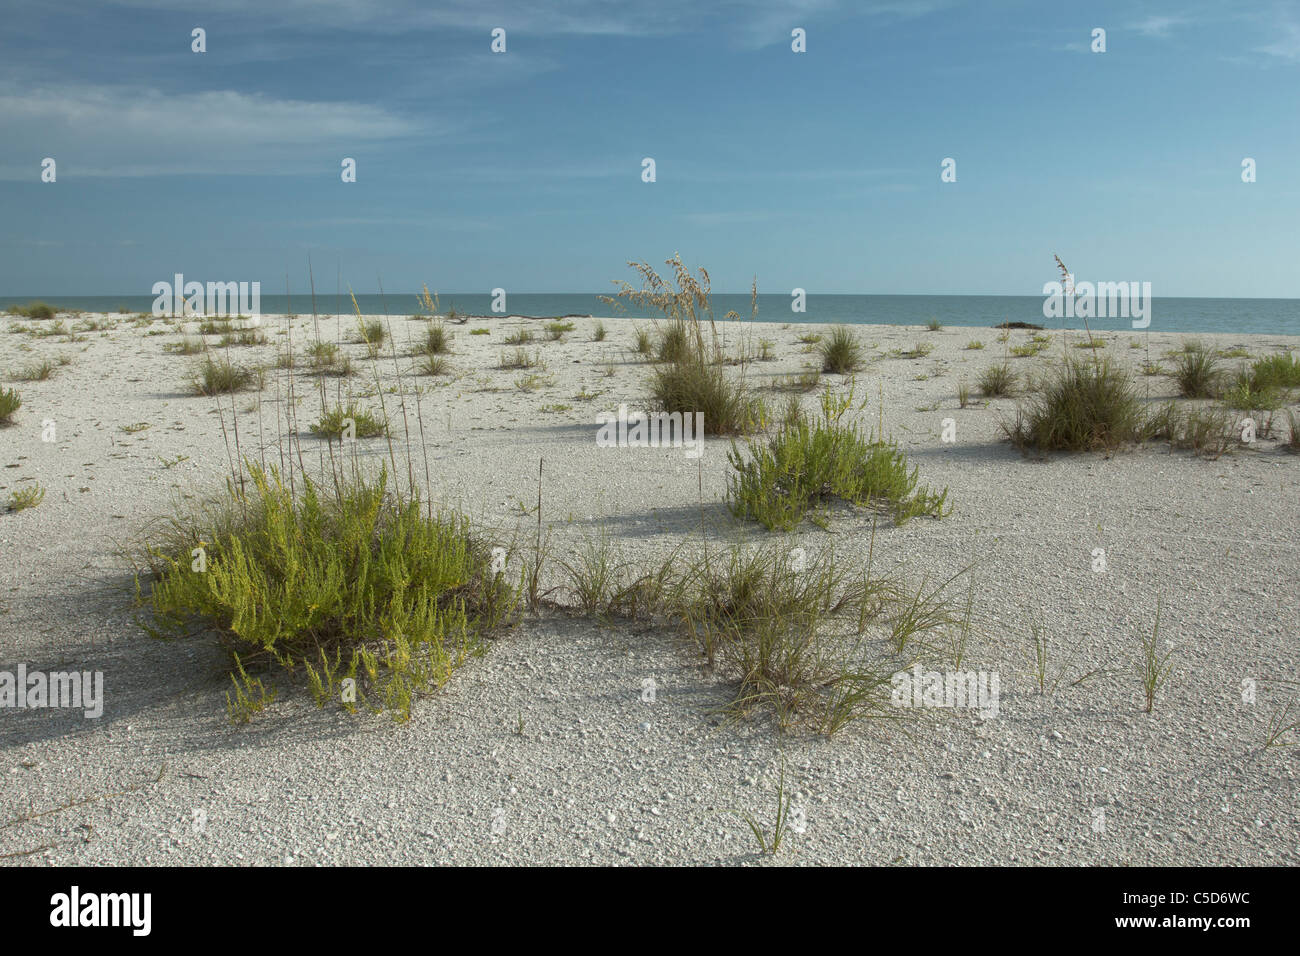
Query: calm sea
x=1276, y=316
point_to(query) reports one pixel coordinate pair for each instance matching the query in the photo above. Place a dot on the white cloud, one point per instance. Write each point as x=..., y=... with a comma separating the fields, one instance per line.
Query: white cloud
x=755, y=22
x=125, y=131
x=1158, y=26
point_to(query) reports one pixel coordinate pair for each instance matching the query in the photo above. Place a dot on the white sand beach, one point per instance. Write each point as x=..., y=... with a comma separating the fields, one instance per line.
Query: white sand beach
x=544, y=750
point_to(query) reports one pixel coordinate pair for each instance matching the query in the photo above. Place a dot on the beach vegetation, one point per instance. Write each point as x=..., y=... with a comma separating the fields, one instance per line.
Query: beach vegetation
x=795, y=473
x=217, y=377
x=1083, y=405
x=10, y=402
x=841, y=352
x=375, y=599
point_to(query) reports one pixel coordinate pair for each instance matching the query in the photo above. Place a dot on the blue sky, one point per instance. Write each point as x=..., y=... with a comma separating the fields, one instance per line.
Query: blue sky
x=523, y=170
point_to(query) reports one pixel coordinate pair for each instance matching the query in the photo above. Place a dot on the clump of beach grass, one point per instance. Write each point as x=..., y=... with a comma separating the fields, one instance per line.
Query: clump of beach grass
x=220, y=376
x=10, y=402
x=518, y=359
x=371, y=332
x=188, y=345
x=806, y=464
x=351, y=420
x=437, y=340
x=689, y=387
x=555, y=331
x=35, y=371
x=841, y=353
x=598, y=331
x=996, y=381
x=34, y=310
x=519, y=337
x=686, y=378
x=328, y=359
x=1082, y=406
x=792, y=633
x=1197, y=371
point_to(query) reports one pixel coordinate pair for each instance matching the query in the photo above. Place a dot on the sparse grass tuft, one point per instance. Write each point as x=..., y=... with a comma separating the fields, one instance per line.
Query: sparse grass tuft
x=519, y=337
x=598, y=331
x=35, y=372
x=188, y=345
x=1153, y=665
x=435, y=365
x=555, y=331
x=518, y=359
x=974, y=345
x=644, y=344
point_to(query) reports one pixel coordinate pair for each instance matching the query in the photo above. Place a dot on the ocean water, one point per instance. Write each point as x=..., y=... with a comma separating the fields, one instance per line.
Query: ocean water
x=1270, y=316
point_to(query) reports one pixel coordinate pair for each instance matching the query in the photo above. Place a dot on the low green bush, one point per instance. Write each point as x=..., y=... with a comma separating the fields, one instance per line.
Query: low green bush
x=805, y=464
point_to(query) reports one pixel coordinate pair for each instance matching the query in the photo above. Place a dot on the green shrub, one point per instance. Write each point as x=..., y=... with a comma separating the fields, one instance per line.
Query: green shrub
x=1084, y=405
x=804, y=465
x=26, y=498
x=841, y=353
x=9, y=404
x=338, y=582
x=480, y=331
x=1280, y=371
x=598, y=332
x=1249, y=390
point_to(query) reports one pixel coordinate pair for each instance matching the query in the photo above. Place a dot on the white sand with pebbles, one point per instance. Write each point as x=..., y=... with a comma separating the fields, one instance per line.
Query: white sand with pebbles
x=543, y=751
